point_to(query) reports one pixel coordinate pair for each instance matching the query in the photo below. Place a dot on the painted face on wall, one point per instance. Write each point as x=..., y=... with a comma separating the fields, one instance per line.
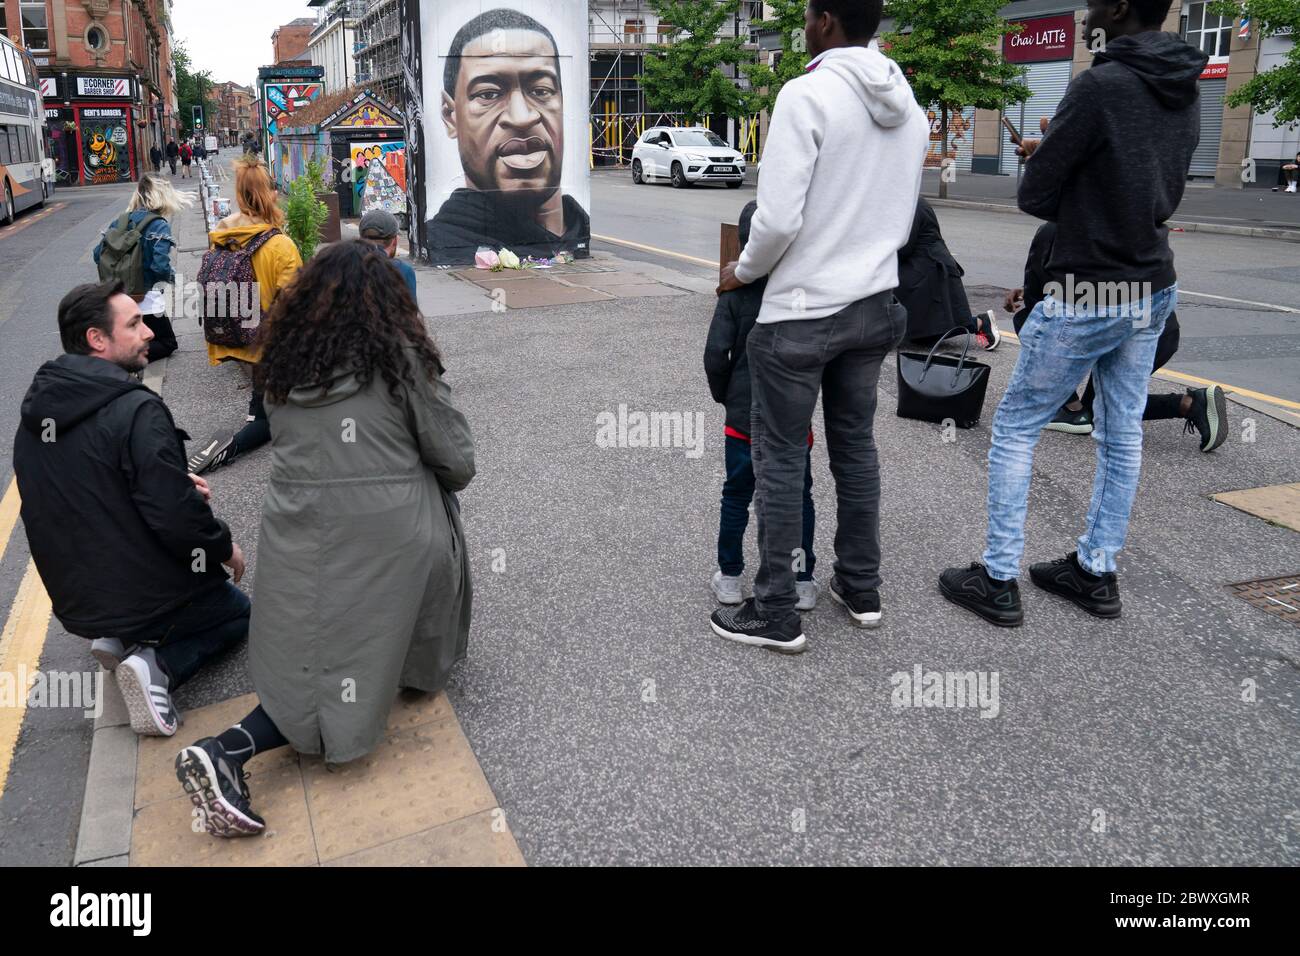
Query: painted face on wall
x=507, y=115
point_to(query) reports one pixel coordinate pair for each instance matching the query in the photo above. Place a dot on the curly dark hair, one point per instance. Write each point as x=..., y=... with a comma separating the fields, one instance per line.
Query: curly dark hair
x=348, y=308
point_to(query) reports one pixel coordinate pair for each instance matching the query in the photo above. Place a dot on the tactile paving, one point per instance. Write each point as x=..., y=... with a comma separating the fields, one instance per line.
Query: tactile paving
x=1279, y=504
x=470, y=841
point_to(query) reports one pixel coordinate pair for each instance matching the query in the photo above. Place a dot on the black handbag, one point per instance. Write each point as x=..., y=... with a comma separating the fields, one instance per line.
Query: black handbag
x=936, y=388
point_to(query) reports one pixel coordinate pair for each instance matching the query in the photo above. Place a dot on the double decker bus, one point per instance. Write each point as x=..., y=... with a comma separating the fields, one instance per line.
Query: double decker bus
x=23, y=170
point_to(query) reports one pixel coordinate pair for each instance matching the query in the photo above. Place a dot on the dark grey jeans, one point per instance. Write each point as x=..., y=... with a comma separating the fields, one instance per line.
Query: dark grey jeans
x=789, y=362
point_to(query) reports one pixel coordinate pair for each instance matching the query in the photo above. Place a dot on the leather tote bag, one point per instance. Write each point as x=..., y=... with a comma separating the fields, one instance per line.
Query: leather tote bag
x=935, y=388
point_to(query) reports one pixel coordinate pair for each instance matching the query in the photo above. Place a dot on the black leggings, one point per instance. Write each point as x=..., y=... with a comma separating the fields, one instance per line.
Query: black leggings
x=258, y=431
x=253, y=735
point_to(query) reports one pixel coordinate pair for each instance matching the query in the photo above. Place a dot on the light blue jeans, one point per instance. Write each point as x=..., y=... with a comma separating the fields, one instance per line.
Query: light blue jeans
x=1059, y=346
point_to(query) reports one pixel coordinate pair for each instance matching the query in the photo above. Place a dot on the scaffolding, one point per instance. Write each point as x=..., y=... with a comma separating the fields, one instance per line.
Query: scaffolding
x=378, y=49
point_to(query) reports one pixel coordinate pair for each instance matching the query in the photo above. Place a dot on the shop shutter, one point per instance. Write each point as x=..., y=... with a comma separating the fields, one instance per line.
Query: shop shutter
x=1205, y=160
x=1048, y=81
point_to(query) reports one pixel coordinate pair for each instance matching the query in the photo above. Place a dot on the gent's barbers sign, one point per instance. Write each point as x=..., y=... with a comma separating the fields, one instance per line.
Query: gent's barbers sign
x=1046, y=38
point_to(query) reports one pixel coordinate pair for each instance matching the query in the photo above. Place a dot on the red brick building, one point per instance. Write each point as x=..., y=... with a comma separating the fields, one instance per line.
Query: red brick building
x=290, y=42
x=235, y=113
x=105, y=68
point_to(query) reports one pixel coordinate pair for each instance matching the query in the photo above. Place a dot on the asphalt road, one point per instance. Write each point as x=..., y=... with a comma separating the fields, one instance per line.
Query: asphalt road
x=1226, y=339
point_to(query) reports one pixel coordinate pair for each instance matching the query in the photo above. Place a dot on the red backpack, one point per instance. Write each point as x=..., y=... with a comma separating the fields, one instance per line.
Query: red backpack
x=230, y=292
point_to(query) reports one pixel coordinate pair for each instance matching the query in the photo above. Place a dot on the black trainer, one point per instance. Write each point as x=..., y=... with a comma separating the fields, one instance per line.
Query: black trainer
x=864, y=608
x=217, y=452
x=1098, y=595
x=998, y=602
x=1073, y=423
x=215, y=784
x=1208, y=416
x=743, y=623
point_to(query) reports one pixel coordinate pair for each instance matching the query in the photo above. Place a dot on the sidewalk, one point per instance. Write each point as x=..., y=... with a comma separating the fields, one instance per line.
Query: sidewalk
x=606, y=724
x=1205, y=207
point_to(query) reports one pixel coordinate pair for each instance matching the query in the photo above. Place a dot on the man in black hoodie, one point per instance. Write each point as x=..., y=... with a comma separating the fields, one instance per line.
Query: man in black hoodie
x=122, y=536
x=1110, y=171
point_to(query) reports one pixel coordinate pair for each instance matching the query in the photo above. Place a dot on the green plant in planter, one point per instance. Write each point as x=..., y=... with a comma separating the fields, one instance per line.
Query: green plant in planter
x=303, y=212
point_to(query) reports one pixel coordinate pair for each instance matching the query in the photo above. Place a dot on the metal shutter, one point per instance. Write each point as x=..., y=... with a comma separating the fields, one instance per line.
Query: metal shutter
x=961, y=134
x=1048, y=81
x=1205, y=160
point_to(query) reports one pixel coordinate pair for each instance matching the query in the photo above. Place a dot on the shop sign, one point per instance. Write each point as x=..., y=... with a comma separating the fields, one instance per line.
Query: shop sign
x=103, y=86
x=1044, y=38
x=1215, y=71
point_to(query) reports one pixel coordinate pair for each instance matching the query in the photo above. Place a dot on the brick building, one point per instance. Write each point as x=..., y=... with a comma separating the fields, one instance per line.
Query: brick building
x=106, y=78
x=235, y=113
x=290, y=42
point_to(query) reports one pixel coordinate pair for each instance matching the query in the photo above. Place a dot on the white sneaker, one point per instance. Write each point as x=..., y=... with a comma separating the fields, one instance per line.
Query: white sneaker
x=108, y=651
x=144, y=691
x=807, y=591
x=1290, y=187
x=726, y=589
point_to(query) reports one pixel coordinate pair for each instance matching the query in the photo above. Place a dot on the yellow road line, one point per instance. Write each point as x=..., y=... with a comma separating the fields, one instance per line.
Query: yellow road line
x=20, y=653
x=10, y=505
x=662, y=252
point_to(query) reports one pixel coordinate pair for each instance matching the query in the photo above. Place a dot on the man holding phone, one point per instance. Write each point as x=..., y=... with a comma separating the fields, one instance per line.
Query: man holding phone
x=1110, y=171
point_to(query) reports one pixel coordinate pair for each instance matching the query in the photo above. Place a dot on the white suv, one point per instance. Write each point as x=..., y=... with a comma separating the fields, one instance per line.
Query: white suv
x=685, y=155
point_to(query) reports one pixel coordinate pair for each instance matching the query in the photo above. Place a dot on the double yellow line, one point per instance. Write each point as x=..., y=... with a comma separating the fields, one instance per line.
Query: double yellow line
x=23, y=637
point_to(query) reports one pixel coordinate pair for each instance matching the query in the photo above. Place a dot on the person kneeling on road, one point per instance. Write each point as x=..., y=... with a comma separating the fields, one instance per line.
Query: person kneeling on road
x=124, y=540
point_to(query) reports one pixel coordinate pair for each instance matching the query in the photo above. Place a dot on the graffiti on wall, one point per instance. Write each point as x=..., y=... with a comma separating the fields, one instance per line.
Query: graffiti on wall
x=368, y=115
x=282, y=100
x=961, y=133
x=293, y=159
x=104, y=150
x=379, y=177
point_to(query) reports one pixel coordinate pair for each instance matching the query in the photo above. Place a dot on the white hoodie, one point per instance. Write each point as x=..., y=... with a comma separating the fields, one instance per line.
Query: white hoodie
x=838, y=188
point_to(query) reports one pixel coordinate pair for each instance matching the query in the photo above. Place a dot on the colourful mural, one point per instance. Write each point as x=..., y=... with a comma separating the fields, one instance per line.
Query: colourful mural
x=378, y=177
x=368, y=115
x=282, y=100
x=105, y=156
x=293, y=156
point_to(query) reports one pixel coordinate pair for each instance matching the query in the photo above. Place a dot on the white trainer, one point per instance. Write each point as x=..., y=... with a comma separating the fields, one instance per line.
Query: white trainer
x=807, y=592
x=726, y=588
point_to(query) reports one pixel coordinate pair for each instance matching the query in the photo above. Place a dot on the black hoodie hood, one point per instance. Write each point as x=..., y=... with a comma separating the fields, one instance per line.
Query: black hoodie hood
x=1167, y=64
x=71, y=389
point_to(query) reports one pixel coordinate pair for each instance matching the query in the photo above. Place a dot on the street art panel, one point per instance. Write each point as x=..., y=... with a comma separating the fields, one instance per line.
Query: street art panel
x=105, y=146
x=282, y=100
x=496, y=110
x=379, y=177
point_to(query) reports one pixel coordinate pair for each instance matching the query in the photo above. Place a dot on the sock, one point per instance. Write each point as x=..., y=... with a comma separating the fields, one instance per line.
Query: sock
x=1160, y=407
x=253, y=735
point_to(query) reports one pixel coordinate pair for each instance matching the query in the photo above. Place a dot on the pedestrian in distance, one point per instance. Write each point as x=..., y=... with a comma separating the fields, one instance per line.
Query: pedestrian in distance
x=367, y=455
x=380, y=227
x=1292, y=173
x=155, y=158
x=200, y=150
x=137, y=249
x=275, y=263
x=173, y=154
x=187, y=157
x=846, y=147
x=1110, y=171
x=1202, y=410
x=125, y=541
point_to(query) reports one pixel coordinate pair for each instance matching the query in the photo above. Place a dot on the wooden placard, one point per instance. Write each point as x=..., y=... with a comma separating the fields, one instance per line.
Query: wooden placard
x=729, y=250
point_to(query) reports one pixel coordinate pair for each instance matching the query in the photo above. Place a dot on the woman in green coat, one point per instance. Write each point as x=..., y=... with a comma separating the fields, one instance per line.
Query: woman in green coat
x=363, y=584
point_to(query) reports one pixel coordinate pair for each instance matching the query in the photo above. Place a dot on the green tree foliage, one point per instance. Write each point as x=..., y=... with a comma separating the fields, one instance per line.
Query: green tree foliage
x=767, y=81
x=193, y=89
x=951, y=51
x=687, y=77
x=1276, y=90
x=304, y=214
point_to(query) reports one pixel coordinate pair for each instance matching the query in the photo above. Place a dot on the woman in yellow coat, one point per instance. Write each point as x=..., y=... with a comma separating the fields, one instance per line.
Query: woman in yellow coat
x=275, y=264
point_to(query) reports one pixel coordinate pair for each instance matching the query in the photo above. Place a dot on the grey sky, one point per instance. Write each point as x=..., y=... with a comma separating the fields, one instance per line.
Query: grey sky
x=233, y=39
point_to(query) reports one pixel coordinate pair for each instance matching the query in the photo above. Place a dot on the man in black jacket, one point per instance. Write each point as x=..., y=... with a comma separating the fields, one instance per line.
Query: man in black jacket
x=122, y=536
x=1110, y=172
x=173, y=154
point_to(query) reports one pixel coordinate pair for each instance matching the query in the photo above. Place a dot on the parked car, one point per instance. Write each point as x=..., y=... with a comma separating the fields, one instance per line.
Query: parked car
x=686, y=155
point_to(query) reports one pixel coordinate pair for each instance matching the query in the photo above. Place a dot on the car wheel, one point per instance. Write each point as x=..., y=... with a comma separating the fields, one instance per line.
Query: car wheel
x=735, y=185
x=637, y=176
x=7, y=212
x=45, y=194
x=679, y=178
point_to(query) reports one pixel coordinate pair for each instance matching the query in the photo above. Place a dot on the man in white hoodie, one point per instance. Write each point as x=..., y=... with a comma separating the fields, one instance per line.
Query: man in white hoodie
x=840, y=179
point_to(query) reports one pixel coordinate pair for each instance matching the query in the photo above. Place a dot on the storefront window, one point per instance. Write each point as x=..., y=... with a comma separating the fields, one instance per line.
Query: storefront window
x=1207, y=31
x=36, y=34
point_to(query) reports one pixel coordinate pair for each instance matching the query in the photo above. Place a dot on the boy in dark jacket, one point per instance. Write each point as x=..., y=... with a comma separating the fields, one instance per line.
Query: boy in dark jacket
x=1110, y=172
x=123, y=538
x=727, y=367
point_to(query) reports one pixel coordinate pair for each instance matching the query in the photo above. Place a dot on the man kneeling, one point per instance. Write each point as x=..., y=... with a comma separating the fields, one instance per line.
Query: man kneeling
x=122, y=536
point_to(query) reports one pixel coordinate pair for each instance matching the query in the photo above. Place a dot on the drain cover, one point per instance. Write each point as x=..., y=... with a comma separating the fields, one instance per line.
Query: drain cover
x=575, y=268
x=1278, y=596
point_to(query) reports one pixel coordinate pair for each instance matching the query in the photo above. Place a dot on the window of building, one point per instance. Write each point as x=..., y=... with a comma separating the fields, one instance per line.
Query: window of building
x=96, y=39
x=633, y=30
x=36, y=34
x=665, y=32
x=1207, y=31
x=4, y=26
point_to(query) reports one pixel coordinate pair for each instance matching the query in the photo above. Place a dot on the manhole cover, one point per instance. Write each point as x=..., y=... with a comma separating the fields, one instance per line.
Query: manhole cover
x=577, y=268
x=1278, y=596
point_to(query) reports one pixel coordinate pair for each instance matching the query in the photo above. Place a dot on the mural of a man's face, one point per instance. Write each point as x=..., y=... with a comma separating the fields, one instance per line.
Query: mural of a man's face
x=507, y=114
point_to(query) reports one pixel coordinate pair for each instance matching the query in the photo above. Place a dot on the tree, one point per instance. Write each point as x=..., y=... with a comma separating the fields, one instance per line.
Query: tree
x=1276, y=90
x=765, y=80
x=192, y=89
x=951, y=51
x=686, y=78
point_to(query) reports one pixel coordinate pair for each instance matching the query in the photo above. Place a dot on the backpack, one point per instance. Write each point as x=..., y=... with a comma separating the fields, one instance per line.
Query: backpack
x=121, y=254
x=229, y=287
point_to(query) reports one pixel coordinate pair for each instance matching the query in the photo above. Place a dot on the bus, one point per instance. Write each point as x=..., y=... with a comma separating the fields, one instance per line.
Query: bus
x=24, y=172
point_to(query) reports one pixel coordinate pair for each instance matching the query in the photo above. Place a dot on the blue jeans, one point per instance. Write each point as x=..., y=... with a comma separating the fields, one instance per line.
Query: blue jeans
x=1059, y=345
x=190, y=636
x=737, y=493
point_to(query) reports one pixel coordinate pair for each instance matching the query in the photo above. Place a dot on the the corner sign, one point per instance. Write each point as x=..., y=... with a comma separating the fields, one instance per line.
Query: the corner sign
x=103, y=86
x=1044, y=38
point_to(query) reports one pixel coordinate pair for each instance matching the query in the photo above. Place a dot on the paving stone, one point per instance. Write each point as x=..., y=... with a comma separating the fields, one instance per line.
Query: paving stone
x=470, y=841
x=105, y=828
x=537, y=291
x=643, y=289
x=1279, y=504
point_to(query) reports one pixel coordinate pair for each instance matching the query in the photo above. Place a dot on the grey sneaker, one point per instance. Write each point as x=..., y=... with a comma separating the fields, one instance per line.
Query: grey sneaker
x=215, y=784
x=726, y=588
x=807, y=591
x=108, y=651
x=144, y=690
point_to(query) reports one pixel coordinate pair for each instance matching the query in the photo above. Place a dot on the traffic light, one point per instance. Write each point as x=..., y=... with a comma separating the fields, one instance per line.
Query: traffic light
x=198, y=117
